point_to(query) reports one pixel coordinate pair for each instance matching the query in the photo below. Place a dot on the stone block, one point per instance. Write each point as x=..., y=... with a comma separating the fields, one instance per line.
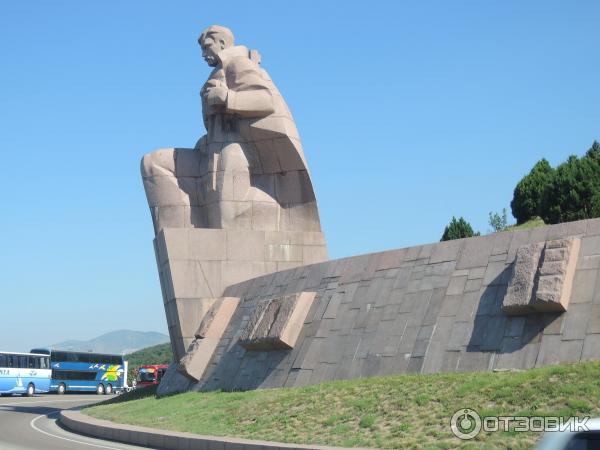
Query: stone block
x=476, y=252
x=173, y=381
x=245, y=245
x=473, y=362
x=515, y=355
x=593, y=227
x=446, y=251
x=194, y=363
x=193, y=279
x=207, y=244
x=495, y=273
x=584, y=286
x=217, y=318
x=238, y=271
x=594, y=320
x=576, y=321
x=556, y=275
x=553, y=351
x=276, y=322
x=501, y=243
x=590, y=245
x=391, y=259
x=190, y=311
x=456, y=286
x=591, y=347
x=460, y=336
x=520, y=289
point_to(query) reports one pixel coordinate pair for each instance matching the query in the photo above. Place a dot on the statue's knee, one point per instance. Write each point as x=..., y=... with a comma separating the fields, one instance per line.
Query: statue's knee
x=159, y=162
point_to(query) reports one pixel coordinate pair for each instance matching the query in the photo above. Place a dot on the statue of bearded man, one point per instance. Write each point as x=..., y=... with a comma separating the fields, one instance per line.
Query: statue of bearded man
x=249, y=170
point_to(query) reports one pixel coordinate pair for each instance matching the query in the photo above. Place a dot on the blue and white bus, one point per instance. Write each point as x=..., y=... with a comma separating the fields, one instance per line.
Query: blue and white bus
x=86, y=372
x=24, y=373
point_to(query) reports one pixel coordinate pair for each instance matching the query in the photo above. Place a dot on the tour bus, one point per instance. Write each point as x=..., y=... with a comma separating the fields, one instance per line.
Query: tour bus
x=86, y=372
x=24, y=373
x=150, y=374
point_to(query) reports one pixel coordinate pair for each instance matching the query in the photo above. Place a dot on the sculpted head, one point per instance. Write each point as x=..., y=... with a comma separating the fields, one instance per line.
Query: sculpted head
x=212, y=40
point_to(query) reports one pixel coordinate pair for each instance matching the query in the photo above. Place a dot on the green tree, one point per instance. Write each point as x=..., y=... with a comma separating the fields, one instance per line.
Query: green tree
x=458, y=229
x=574, y=191
x=527, y=197
x=498, y=222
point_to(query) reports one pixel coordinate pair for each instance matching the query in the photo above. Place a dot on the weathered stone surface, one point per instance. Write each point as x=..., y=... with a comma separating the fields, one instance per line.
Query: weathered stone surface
x=520, y=289
x=199, y=353
x=173, y=382
x=194, y=362
x=217, y=318
x=542, y=277
x=276, y=323
x=555, y=281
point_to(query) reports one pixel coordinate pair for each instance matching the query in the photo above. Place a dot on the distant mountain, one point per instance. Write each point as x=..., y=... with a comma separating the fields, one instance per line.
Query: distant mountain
x=121, y=341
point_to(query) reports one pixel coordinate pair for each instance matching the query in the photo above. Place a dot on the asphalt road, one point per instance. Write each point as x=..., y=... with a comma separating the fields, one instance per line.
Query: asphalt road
x=30, y=424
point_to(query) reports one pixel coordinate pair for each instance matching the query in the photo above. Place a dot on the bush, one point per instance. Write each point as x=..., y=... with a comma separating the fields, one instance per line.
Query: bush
x=458, y=229
x=498, y=222
x=527, y=197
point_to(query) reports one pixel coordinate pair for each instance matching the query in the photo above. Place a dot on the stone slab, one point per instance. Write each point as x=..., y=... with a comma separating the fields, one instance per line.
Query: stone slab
x=521, y=286
x=276, y=322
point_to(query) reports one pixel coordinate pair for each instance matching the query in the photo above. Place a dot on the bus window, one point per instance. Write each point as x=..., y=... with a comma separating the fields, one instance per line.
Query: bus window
x=12, y=361
x=23, y=362
x=3, y=362
x=44, y=363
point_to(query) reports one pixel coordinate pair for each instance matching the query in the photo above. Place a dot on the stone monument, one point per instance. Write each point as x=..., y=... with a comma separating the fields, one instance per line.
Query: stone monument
x=238, y=205
x=251, y=301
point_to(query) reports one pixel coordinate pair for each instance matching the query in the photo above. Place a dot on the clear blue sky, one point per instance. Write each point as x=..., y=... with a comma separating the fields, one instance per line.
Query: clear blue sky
x=410, y=113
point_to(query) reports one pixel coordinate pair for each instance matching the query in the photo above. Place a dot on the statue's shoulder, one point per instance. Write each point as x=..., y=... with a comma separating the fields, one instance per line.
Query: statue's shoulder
x=234, y=56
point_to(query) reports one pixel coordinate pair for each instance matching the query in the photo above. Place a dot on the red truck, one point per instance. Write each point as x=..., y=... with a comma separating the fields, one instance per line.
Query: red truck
x=150, y=374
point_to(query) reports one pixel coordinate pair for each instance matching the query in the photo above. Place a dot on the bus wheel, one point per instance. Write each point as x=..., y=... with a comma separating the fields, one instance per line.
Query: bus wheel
x=30, y=390
x=109, y=389
x=61, y=389
x=100, y=389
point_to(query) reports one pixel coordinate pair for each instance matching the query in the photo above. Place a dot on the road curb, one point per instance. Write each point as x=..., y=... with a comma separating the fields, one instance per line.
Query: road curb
x=81, y=423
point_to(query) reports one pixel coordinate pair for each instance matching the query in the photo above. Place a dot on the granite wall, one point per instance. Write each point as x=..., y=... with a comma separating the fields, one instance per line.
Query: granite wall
x=424, y=309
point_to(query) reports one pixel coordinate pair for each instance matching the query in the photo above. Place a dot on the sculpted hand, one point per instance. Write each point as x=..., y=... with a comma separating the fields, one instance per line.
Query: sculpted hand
x=216, y=96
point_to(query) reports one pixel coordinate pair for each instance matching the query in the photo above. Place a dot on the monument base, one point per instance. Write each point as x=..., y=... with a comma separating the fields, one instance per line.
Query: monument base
x=196, y=265
x=424, y=309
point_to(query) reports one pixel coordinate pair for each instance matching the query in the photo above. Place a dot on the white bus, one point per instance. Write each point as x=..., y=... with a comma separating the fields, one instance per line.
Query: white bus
x=24, y=373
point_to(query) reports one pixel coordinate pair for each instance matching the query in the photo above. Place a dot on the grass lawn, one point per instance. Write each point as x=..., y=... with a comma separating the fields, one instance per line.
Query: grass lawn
x=400, y=411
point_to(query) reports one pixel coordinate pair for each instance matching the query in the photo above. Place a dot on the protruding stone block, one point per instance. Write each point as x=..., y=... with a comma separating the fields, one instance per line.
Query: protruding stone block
x=217, y=318
x=518, y=295
x=276, y=322
x=542, y=277
x=211, y=329
x=556, y=275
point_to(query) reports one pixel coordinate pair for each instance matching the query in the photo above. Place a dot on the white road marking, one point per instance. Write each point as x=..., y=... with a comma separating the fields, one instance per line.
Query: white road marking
x=33, y=425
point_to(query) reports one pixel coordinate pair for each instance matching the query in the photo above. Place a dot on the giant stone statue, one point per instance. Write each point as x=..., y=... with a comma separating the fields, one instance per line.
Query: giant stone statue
x=238, y=205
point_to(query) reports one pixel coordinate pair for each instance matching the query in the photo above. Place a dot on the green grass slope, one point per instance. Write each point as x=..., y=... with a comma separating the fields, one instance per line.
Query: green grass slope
x=531, y=223
x=400, y=411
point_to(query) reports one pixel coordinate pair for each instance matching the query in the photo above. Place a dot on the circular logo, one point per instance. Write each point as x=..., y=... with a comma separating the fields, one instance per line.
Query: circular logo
x=465, y=424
